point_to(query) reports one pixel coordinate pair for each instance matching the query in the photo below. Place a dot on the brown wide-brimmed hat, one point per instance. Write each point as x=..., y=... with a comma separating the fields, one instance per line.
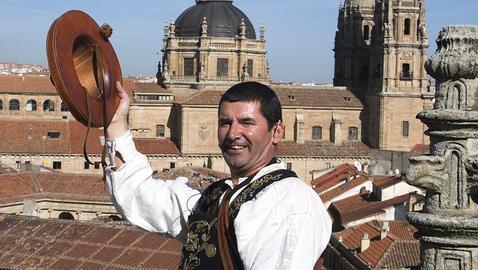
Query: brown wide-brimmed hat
x=84, y=67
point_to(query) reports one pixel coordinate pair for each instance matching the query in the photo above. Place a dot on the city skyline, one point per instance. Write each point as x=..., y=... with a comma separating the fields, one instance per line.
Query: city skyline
x=299, y=34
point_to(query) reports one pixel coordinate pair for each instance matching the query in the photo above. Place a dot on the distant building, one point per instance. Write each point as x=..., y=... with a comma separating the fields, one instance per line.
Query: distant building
x=380, y=52
x=374, y=245
x=354, y=198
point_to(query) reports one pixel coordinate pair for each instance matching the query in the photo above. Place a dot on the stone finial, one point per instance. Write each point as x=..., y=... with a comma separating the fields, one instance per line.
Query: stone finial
x=166, y=29
x=262, y=32
x=242, y=29
x=454, y=66
x=457, y=53
x=204, y=27
x=172, y=29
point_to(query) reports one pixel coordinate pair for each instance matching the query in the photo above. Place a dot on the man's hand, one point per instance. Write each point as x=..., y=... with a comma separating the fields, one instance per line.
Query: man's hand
x=119, y=123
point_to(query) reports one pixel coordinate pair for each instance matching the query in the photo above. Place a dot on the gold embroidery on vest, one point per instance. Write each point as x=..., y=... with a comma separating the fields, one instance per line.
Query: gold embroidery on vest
x=199, y=233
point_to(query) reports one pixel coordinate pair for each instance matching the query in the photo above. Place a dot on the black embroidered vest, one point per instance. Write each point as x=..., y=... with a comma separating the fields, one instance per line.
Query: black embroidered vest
x=201, y=249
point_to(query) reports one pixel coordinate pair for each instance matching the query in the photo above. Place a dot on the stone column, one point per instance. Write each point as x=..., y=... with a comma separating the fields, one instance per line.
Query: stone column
x=448, y=224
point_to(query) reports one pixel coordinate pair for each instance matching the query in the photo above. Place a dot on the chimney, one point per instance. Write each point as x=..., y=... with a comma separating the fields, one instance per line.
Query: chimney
x=364, y=243
x=299, y=129
x=335, y=131
x=384, y=230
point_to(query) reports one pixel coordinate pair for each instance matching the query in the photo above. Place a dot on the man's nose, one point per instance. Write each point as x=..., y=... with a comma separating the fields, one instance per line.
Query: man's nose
x=234, y=131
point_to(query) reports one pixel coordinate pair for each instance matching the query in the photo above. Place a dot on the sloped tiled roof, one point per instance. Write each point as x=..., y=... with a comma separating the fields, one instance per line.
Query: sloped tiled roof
x=26, y=85
x=362, y=205
x=386, y=181
x=71, y=140
x=146, y=88
x=399, y=249
x=291, y=96
x=199, y=177
x=33, y=243
x=16, y=186
x=329, y=195
x=334, y=176
x=322, y=149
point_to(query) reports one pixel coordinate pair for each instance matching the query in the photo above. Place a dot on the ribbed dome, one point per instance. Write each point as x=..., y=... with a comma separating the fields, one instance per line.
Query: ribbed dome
x=223, y=20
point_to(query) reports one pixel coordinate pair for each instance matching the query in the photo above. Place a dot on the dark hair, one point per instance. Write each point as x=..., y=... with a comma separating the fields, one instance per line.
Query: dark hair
x=256, y=92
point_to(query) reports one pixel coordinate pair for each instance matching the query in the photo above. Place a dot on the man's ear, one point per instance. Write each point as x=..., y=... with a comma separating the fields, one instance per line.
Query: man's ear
x=278, y=132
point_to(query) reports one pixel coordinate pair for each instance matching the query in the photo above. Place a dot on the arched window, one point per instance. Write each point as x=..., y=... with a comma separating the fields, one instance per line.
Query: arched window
x=316, y=133
x=159, y=130
x=1, y=105
x=14, y=105
x=366, y=32
x=31, y=106
x=64, y=107
x=406, y=27
x=48, y=106
x=66, y=215
x=353, y=133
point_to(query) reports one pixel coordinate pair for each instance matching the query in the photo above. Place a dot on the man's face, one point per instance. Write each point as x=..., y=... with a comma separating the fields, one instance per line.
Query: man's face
x=244, y=137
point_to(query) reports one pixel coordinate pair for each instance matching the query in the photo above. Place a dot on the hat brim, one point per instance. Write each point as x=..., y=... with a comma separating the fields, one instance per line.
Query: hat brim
x=84, y=68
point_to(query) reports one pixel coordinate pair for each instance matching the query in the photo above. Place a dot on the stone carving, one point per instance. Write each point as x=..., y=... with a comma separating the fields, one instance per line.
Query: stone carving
x=387, y=30
x=262, y=32
x=242, y=29
x=172, y=29
x=203, y=131
x=423, y=31
x=455, y=65
x=204, y=28
x=449, y=221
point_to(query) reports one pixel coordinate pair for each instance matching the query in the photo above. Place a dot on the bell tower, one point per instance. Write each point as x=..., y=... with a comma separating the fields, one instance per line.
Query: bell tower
x=398, y=88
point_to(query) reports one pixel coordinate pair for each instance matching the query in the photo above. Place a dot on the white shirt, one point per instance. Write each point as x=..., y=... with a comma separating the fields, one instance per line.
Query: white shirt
x=285, y=226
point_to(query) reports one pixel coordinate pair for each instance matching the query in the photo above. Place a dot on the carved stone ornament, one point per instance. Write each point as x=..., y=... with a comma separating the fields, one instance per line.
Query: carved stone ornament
x=448, y=224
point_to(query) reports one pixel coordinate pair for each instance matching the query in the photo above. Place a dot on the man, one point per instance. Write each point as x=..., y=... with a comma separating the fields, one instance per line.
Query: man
x=264, y=217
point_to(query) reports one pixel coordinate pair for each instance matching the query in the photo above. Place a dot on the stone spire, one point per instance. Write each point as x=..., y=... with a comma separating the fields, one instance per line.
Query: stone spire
x=448, y=224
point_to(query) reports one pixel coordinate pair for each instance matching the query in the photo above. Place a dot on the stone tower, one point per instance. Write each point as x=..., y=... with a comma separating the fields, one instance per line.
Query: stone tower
x=212, y=43
x=380, y=51
x=448, y=224
x=352, y=43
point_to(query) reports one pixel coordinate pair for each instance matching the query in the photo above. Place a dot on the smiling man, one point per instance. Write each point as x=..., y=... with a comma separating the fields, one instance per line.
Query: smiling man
x=263, y=217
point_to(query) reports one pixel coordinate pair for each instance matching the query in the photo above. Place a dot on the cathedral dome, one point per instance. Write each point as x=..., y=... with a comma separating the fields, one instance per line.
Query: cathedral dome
x=223, y=20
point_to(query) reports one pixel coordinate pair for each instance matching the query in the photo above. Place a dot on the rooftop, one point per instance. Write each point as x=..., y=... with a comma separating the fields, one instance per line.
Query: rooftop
x=399, y=249
x=66, y=137
x=291, y=96
x=322, y=149
x=33, y=243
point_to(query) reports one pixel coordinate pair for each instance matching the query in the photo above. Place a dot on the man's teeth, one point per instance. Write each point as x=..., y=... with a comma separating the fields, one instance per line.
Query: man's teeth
x=237, y=147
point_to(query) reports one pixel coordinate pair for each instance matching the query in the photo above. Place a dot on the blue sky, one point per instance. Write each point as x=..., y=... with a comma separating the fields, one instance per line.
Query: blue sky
x=299, y=33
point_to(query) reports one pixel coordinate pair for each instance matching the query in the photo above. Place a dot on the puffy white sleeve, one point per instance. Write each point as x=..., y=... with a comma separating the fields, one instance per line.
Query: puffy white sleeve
x=154, y=205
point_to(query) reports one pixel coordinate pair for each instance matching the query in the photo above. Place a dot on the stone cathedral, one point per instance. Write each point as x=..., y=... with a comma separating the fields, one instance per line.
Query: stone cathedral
x=380, y=52
x=212, y=43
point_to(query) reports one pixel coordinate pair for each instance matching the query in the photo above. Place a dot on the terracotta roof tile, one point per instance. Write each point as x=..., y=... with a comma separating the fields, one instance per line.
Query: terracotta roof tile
x=386, y=181
x=39, y=85
x=70, y=141
x=26, y=85
x=398, y=249
x=16, y=186
x=334, y=176
x=146, y=88
x=291, y=96
x=329, y=195
x=362, y=205
x=64, y=244
x=156, y=146
x=322, y=149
